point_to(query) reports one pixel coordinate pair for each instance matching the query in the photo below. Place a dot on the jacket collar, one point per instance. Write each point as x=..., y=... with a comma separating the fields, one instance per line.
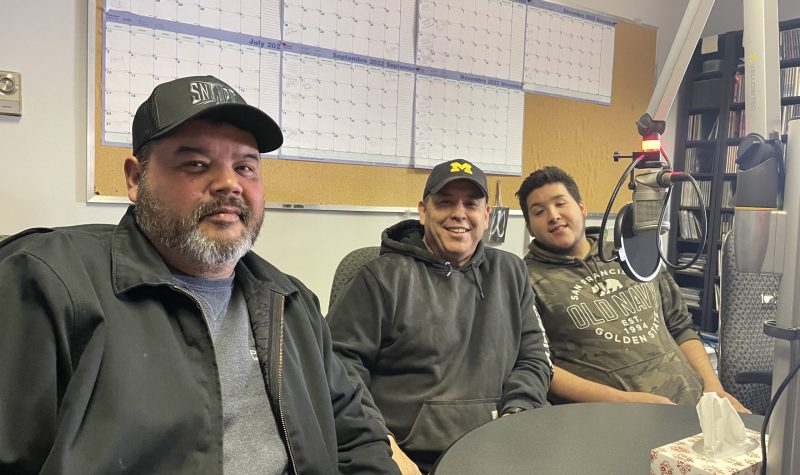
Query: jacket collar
x=136, y=262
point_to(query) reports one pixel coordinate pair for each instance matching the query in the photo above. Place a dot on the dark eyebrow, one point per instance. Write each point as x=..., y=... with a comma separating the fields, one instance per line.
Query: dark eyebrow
x=552, y=199
x=204, y=151
x=190, y=149
x=253, y=156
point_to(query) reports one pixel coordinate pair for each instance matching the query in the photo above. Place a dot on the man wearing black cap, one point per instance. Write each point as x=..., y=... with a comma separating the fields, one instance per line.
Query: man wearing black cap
x=440, y=329
x=162, y=344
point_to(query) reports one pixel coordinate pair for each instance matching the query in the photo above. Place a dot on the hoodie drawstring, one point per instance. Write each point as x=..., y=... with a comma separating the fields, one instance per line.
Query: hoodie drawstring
x=478, y=282
x=474, y=274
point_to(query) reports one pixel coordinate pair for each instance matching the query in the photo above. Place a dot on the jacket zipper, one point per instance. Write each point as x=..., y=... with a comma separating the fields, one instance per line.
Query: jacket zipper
x=280, y=301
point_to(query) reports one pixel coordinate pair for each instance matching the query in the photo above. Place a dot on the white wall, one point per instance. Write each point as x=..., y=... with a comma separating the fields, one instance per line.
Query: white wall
x=43, y=153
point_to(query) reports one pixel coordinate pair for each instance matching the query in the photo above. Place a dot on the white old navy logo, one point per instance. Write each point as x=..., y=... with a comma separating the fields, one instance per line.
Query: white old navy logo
x=205, y=92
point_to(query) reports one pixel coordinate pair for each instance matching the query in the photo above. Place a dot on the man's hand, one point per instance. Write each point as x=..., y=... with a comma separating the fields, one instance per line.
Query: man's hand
x=406, y=466
x=633, y=396
x=574, y=388
x=734, y=402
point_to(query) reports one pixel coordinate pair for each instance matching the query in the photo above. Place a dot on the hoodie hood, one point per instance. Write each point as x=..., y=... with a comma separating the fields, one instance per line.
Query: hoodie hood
x=405, y=238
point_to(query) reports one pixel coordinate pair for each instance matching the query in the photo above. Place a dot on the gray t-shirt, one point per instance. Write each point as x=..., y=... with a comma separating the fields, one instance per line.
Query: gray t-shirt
x=251, y=443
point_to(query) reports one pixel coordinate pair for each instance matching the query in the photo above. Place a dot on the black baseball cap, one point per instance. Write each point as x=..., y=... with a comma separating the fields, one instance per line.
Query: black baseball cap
x=446, y=172
x=175, y=102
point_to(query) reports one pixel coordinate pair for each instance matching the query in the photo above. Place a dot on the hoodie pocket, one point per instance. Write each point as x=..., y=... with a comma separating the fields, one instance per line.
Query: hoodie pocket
x=440, y=423
x=668, y=375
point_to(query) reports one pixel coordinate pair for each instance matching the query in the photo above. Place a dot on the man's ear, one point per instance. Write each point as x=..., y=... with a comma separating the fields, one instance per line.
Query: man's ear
x=584, y=210
x=421, y=210
x=133, y=176
x=486, y=215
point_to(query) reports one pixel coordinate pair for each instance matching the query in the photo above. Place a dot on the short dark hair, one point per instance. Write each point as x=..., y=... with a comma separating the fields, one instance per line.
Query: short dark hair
x=541, y=177
x=143, y=155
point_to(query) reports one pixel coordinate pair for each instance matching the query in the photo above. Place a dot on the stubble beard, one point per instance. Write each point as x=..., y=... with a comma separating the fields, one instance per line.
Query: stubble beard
x=183, y=234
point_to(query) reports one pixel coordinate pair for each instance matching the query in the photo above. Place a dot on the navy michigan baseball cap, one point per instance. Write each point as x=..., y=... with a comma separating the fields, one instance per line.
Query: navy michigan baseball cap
x=175, y=102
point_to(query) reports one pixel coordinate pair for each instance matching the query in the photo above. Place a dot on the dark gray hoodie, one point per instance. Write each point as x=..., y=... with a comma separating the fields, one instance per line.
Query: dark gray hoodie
x=441, y=350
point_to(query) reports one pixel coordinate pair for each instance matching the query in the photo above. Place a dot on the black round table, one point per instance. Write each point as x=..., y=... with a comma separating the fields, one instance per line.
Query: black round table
x=597, y=438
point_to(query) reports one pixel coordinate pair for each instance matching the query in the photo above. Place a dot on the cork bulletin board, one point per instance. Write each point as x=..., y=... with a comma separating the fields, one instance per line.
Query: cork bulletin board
x=575, y=135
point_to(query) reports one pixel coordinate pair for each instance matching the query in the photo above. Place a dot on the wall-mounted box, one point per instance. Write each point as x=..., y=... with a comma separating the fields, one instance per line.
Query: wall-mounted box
x=10, y=93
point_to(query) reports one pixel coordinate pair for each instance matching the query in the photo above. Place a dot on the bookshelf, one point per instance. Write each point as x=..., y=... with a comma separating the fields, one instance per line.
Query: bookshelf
x=711, y=123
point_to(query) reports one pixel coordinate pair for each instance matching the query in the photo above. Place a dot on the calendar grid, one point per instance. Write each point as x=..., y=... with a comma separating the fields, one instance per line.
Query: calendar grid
x=381, y=82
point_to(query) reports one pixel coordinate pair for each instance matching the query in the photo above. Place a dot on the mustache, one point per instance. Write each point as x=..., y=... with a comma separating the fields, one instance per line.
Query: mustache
x=204, y=209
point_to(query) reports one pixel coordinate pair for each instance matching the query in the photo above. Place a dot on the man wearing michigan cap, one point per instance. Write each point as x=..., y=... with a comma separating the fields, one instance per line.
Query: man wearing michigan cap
x=441, y=329
x=163, y=344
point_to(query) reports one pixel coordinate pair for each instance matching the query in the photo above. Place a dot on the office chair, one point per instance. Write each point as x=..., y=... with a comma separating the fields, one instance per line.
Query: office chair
x=746, y=353
x=347, y=268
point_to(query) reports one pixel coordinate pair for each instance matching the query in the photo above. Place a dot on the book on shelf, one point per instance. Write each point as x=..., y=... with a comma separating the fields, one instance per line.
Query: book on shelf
x=697, y=268
x=689, y=194
x=701, y=127
x=790, y=44
x=738, y=87
x=790, y=85
x=727, y=194
x=690, y=162
x=730, y=159
x=698, y=160
x=736, y=124
x=689, y=224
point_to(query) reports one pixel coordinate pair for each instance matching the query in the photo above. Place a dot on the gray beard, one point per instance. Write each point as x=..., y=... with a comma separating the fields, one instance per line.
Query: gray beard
x=183, y=234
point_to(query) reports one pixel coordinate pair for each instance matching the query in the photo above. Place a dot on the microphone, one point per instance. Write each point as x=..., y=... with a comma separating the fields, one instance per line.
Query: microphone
x=639, y=224
x=636, y=235
x=649, y=195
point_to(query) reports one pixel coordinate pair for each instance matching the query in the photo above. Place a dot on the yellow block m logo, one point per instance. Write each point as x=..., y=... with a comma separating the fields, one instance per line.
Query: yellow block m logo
x=455, y=167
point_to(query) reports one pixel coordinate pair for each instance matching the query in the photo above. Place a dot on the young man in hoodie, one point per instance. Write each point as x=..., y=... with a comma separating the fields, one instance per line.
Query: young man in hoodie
x=441, y=329
x=613, y=339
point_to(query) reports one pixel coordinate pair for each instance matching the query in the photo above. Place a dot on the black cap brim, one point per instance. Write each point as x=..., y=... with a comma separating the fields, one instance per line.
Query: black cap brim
x=246, y=117
x=443, y=183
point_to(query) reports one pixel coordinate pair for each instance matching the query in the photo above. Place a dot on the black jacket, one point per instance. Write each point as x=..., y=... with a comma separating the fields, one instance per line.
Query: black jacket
x=106, y=366
x=441, y=350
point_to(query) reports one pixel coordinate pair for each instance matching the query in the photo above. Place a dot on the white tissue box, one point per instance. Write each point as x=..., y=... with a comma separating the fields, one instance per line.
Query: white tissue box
x=685, y=457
